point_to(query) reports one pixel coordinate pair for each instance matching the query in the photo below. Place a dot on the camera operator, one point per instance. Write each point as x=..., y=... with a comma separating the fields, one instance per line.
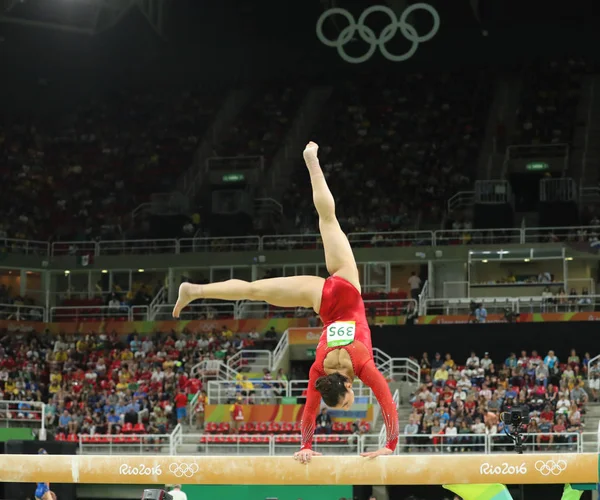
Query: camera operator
x=478, y=313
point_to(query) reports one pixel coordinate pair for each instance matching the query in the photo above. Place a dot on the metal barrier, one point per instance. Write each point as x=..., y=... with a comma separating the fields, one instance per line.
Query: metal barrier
x=140, y=313
x=291, y=242
x=297, y=389
x=561, y=234
x=125, y=444
x=352, y=444
x=22, y=313
x=478, y=236
x=90, y=313
x=251, y=360
x=24, y=414
x=392, y=239
x=229, y=244
x=397, y=369
x=394, y=307
x=301, y=241
x=258, y=392
x=124, y=247
x=24, y=247
x=204, y=310
x=529, y=304
x=60, y=248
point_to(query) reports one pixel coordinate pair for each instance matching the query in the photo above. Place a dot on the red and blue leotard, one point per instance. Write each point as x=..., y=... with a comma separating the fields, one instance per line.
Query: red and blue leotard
x=341, y=301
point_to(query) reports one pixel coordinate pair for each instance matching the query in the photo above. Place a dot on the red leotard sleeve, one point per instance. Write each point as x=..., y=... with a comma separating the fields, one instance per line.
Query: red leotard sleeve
x=371, y=376
x=311, y=407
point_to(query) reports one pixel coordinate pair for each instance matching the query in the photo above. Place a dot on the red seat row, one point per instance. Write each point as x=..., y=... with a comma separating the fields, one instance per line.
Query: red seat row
x=100, y=439
x=246, y=439
x=276, y=427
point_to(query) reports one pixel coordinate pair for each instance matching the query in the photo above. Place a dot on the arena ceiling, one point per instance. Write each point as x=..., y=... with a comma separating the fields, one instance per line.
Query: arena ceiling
x=88, y=17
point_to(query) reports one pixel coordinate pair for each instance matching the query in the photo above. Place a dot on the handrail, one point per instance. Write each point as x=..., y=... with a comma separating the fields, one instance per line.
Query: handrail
x=90, y=312
x=22, y=312
x=517, y=304
x=302, y=241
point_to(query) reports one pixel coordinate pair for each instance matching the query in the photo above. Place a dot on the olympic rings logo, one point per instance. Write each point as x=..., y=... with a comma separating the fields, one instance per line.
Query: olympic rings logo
x=368, y=35
x=550, y=467
x=184, y=470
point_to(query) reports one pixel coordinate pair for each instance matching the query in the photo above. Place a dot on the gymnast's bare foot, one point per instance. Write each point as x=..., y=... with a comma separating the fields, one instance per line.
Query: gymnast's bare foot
x=187, y=293
x=310, y=153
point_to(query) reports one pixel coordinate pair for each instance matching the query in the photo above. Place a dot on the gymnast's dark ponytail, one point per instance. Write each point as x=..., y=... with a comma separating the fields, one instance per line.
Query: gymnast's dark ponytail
x=332, y=388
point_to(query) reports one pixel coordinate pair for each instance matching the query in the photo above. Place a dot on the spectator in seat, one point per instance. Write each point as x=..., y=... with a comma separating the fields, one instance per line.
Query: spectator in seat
x=559, y=429
x=578, y=394
x=425, y=364
x=441, y=376
x=410, y=430
x=451, y=435
x=437, y=362
x=541, y=374
x=415, y=285
x=324, y=422
x=113, y=421
x=64, y=422
x=481, y=313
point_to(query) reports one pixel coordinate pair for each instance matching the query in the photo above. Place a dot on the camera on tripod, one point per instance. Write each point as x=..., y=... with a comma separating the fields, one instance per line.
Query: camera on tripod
x=510, y=316
x=515, y=417
x=156, y=495
x=515, y=421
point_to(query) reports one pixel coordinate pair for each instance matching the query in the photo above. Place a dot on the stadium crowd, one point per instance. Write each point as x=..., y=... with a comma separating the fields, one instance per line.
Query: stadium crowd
x=102, y=384
x=469, y=399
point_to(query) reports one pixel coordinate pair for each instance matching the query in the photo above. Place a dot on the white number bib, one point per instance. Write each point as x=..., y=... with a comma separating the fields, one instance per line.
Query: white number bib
x=341, y=333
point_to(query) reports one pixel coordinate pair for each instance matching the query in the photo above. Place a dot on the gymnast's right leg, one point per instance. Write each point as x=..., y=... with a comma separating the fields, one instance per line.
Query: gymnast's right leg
x=291, y=291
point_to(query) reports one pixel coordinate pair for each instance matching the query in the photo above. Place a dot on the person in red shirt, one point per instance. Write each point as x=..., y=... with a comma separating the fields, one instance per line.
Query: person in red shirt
x=181, y=402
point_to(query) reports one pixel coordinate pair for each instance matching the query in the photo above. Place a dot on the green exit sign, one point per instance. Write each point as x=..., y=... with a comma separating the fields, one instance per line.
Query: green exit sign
x=233, y=178
x=537, y=166
x=311, y=353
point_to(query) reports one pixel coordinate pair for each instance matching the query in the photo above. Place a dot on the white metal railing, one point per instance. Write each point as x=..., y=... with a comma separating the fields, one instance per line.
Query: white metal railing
x=22, y=313
x=302, y=241
x=228, y=244
x=517, y=305
x=256, y=391
x=425, y=293
x=297, y=389
x=23, y=414
x=89, y=313
x=204, y=310
x=397, y=369
x=140, y=313
x=280, y=351
x=213, y=369
x=352, y=444
x=125, y=444
x=252, y=360
x=160, y=298
x=24, y=247
x=478, y=236
x=388, y=307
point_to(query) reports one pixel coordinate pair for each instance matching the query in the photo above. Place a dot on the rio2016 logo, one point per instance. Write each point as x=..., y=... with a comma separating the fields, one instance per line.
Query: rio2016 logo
x=141, y=470
x=503, y=469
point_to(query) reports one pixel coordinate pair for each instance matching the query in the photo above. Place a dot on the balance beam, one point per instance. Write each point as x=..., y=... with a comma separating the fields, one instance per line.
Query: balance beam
x=419, y=469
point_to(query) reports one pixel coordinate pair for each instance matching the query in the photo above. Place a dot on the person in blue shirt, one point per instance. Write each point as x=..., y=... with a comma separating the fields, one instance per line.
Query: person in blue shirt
x=511, y=361
x=481, y=314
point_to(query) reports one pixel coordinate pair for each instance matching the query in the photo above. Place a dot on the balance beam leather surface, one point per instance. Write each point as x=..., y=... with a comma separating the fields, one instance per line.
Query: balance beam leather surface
x=419, y=469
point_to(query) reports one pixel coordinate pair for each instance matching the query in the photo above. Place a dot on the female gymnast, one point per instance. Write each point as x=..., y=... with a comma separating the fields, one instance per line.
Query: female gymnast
x=42, y=490
x=344, y=350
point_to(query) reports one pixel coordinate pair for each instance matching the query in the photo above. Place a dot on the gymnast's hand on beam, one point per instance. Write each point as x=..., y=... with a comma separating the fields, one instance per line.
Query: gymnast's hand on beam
x=304, y=456
x=378, y=453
